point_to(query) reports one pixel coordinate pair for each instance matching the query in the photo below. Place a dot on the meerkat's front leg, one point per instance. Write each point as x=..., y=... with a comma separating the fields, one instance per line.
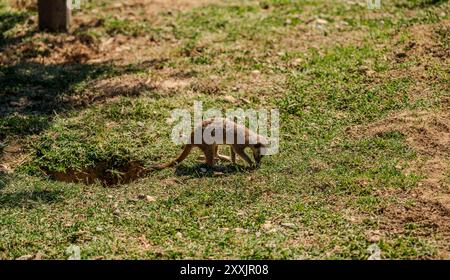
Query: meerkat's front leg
x=233, y=155
x=240, y=151
x=209, y=152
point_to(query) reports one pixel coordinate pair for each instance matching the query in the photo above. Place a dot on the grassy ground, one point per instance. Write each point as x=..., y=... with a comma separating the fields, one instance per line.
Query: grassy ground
x=364, y=157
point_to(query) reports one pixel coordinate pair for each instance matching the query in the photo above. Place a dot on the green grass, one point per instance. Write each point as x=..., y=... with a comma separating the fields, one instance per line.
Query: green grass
x=316, y=199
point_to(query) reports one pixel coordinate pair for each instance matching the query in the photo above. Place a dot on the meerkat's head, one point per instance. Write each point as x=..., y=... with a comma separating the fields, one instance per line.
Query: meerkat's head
x=259, y=149
x=256, y=149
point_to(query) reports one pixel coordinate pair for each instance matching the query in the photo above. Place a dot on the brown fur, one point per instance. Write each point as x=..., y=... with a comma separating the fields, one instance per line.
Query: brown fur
x=211, y=150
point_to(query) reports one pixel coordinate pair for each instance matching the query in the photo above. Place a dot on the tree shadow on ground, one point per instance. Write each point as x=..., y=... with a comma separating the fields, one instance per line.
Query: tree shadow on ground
x=29, y=199
x=33, y=90
x=8, y=21
x=4, y=179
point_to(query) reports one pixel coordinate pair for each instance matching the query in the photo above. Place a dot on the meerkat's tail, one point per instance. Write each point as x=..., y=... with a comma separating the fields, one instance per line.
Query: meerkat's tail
x=187, y=149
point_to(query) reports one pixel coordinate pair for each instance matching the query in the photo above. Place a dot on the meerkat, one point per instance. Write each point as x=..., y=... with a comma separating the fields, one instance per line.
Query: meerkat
x=248, y=139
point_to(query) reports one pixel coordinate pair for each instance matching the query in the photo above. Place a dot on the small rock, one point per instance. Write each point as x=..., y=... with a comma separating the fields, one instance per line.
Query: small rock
x=322, y=21
x=297, y=62
x=374, y=251
x=203, y=170
x=25, y=258
x=267, y=225
x=230, y=99
x=256, y=73
x=38, y=256
x=170, y=121
x=109, y=196
x=179, y=235
x=373, y=236
x=289, y=225
x=239, y=230
x=74, y=252
x=99, y=229
x=150, y=198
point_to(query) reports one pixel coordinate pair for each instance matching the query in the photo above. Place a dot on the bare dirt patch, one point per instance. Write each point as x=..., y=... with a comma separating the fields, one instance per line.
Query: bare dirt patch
x=101, y=172
x=424, y=50
x=11, y=156
x=428, y=204
x=105, y=89
x=47, y=48
x=426, y=132
x=425, y=41
x=78, y=47
x=314, y=33
x=430, y=217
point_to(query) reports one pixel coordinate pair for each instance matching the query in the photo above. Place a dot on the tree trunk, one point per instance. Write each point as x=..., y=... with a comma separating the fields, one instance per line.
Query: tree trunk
x=54, y=15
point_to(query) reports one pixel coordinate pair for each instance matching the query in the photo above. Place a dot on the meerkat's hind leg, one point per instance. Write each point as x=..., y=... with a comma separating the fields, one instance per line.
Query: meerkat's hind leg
x=224, y=157
x=216, y=156
x=209, y=152
x=203, y=157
